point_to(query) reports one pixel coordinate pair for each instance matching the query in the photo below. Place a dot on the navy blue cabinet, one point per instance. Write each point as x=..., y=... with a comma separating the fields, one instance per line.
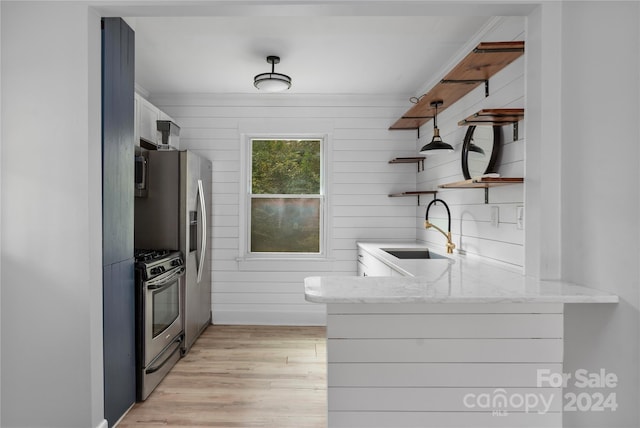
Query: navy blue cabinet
x=117, y=139
x=117, y=224
x=119, y=340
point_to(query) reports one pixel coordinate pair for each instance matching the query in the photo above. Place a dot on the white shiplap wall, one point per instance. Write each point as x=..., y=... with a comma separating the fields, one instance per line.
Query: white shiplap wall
x=360, y=178
x=471, y=217
x=424, y=365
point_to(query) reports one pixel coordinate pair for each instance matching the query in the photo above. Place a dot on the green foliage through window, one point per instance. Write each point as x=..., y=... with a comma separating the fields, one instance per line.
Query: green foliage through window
x=286, y=199
x=285, y=167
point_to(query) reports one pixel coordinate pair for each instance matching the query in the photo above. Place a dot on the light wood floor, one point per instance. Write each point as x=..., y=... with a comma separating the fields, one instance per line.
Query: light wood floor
x=243, y=376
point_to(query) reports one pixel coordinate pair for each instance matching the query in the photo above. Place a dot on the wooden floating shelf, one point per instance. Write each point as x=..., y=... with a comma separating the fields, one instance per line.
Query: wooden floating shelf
x=419, y=160
x=408, y=160
x=494, y=116
x=482, y=183
x=476, y=68
x=414, y=193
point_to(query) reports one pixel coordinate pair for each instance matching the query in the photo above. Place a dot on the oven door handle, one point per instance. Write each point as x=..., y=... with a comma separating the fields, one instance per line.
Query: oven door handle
x=164, y=281
x=153, y=368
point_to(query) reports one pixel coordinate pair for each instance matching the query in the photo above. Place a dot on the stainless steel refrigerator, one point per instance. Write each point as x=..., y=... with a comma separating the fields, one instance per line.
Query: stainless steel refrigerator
x=174, y=215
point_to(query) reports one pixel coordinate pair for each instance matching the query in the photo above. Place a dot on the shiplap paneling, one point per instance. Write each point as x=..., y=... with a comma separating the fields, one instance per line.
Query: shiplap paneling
x=449, y=308
x=445, y=350
x=271, y=291
x=427, y=365
x=443, y=420
x=504, y=242
x=361, y=179
x=430, y=399
x=437, y=375
x=463, y=326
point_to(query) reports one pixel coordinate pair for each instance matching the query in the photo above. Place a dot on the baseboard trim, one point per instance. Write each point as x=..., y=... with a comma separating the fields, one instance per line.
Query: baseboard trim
x=269, y=318
x=103, y=424
x=106, y=424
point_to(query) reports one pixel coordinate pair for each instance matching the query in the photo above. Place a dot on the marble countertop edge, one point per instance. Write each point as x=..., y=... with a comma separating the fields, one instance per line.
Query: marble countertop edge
x=458, y=281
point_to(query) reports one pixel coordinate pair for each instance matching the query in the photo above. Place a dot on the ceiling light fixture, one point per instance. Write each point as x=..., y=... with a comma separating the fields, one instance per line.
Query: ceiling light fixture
x=436, y=145
x=272, y=82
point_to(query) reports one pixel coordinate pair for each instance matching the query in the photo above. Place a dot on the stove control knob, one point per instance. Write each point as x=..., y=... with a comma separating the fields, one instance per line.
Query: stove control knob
x=176, y=262
x=155, y=271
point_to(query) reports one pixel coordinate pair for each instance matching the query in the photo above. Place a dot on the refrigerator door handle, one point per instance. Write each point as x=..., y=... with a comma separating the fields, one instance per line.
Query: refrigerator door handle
x=203, y=240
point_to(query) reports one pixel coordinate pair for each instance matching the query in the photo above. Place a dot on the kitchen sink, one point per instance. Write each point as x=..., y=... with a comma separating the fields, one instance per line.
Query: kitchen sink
x=412, y=253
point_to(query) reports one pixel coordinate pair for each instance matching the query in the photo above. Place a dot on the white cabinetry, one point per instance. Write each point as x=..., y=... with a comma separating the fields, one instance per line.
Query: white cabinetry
x=369, y=265
x=147, y=115
x=165, y=116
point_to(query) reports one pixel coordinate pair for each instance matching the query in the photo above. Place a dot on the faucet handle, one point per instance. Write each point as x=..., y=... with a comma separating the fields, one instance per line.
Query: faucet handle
x=450, y=245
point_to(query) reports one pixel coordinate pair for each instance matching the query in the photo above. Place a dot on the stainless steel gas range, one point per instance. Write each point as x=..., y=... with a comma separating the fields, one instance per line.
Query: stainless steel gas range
x=159, y=328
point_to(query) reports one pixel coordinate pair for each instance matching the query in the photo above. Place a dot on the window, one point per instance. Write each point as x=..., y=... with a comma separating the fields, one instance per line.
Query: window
x=286, y=207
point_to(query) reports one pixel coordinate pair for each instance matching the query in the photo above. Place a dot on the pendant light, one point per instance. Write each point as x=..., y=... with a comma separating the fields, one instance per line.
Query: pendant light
x=436, y=145
x=272, y=82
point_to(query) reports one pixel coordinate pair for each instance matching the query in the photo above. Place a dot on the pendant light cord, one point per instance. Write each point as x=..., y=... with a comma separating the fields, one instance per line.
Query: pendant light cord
x=435, y=117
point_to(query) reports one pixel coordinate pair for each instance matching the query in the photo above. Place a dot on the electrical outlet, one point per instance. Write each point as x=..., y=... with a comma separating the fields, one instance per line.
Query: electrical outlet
x=495, y=216
x=519, y=218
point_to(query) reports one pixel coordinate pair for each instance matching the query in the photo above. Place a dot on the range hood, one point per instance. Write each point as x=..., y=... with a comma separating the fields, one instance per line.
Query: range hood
x=170, y=135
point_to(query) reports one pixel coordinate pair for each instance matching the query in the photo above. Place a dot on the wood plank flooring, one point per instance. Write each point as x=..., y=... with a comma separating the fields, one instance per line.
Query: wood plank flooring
x=243, y=376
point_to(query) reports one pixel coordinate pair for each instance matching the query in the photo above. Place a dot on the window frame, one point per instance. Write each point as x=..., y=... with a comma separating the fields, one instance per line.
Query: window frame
x=247, y=196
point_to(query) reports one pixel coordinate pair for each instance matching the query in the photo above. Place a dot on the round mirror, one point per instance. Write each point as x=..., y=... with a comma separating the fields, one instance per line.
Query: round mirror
x=481, y=150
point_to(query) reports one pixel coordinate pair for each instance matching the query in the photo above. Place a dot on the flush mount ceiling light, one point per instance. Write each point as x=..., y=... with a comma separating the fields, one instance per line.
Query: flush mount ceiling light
x=436, y=145
x=272, y=82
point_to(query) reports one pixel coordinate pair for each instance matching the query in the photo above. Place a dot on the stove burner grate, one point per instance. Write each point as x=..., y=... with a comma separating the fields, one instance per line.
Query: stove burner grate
x=144, y=255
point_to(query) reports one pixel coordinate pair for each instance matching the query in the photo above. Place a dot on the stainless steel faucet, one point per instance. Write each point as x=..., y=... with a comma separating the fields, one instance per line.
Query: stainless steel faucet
x=428, y=224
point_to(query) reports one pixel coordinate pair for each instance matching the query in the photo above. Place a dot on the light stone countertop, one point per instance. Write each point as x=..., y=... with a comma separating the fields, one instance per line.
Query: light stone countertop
x=457, y=279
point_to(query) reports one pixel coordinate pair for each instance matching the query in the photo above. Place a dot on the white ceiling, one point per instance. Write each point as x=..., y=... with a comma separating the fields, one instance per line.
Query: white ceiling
x=326, y=46
x=322, y=54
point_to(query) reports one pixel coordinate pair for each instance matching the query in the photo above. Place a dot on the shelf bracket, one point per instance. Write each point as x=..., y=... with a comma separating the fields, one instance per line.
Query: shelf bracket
x=434, y=197
x=469, y=82
x=515, y=131
x=419, y=162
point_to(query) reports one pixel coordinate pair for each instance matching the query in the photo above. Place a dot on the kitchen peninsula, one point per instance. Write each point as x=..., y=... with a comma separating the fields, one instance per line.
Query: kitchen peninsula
x=443, y=342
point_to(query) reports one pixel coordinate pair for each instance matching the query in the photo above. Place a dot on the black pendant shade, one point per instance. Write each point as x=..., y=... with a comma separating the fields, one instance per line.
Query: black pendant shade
x=475, y=150
x=436, y=145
